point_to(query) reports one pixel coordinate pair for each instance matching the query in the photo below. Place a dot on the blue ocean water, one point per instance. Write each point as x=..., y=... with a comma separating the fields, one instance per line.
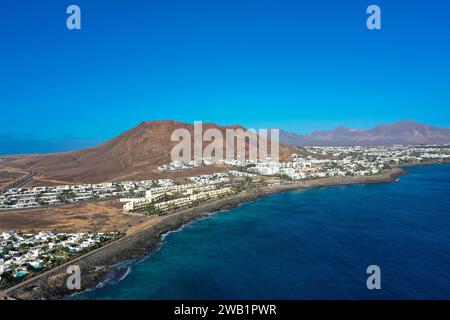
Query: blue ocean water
x=311, y=244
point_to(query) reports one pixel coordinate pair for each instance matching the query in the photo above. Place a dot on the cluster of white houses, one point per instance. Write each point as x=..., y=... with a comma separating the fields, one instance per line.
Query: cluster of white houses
x=178, y=165
x=236, y=162
x=339, y=161
x=350, y=161
x=396, y=154
x=310, y=168
x=20, y=198
x=335, y=161
x=21, y=253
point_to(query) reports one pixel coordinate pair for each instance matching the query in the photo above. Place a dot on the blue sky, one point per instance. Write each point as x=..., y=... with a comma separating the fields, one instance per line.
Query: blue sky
x=292, y=64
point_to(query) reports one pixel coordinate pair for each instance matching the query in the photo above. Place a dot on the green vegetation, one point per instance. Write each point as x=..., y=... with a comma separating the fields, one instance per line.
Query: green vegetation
x=150, y=210
x=42, y=202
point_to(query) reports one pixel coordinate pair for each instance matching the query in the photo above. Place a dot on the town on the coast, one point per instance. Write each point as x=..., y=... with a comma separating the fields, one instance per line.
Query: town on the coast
x=165, y=194
x=22, y=255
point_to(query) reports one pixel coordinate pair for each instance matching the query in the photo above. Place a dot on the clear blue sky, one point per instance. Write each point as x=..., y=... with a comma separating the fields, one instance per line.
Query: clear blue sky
x=300, y=65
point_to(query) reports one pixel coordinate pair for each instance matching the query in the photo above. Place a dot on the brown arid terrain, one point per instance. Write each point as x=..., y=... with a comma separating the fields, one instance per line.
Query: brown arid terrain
x=95, y=217
x=135, y=154
x=10, y=174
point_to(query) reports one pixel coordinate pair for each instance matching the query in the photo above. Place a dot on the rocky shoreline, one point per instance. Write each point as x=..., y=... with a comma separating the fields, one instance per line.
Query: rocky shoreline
x=97, y=264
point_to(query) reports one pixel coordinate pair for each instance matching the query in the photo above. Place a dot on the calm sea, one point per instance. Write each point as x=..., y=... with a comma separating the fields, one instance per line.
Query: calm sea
x=312, y=244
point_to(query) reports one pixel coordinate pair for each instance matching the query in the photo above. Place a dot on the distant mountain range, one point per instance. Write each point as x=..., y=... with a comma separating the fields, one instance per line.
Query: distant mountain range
x=403, y=132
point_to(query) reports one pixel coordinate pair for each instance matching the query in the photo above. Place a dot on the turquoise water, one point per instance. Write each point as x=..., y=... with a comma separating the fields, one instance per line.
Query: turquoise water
x=312, y=244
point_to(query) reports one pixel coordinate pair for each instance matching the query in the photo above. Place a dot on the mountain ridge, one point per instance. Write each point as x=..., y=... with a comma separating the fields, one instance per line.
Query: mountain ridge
x=400, y=132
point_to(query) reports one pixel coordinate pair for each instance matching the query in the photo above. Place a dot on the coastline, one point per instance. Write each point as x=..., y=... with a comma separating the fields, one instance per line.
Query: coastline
x=99, y=263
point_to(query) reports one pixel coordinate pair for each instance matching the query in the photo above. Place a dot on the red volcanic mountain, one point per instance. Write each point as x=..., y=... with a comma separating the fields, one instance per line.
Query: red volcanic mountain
x=135, y=154
x=403, y=132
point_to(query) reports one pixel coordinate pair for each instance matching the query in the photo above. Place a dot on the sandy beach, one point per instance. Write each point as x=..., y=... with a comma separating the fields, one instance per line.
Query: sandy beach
x=146, y=236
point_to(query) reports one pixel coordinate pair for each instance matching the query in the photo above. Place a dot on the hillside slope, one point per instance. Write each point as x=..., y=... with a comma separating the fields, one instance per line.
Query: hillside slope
x=135, y=154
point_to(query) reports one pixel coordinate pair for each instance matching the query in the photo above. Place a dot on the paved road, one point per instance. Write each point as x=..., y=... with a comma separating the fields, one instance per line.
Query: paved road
x=20, y=182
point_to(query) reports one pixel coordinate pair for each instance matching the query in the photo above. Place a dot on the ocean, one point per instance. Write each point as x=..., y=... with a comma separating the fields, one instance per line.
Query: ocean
x=309, y=244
